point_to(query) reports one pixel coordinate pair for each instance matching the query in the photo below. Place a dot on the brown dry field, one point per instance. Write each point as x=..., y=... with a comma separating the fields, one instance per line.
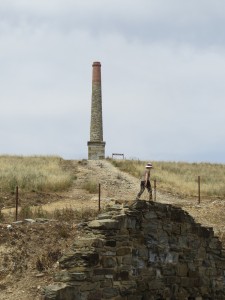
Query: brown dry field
x=29, y=251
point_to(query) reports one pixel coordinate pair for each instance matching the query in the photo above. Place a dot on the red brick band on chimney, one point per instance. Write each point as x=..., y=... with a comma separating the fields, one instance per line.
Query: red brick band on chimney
x=96, y=76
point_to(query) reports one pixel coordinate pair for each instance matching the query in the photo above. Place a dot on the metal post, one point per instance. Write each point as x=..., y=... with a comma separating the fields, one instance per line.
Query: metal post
x=199, y=192
x=154, y=189
x=17, y=201
x=99, y=197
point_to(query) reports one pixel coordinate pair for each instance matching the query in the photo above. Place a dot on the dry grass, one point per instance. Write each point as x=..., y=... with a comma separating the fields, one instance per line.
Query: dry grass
x=91, y=186
x=181, y=178
x=66, y=214
x=34, y=173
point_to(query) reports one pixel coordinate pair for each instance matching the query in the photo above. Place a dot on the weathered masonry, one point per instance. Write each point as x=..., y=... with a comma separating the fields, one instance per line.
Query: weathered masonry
x=96, y=146
x=145, y=251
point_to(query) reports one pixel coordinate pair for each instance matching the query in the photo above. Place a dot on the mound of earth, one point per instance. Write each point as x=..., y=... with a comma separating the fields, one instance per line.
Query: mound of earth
x=30, y=249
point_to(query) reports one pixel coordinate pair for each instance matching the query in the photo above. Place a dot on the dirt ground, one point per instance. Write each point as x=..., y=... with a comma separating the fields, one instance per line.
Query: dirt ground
x=29, y=251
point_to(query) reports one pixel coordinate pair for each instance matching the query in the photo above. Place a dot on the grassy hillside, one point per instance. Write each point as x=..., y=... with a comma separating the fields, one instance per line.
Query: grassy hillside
x=48, y=174
x=181, y=178
x=34, y=173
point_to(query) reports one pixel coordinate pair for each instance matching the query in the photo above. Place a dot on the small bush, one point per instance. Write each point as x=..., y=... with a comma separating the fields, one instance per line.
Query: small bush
x=83, y=162
x=90, y=186
x=40, y=213
x=88, y=214
x=69, y=214
x=26, y=212
x=63, y=230
x=46, y=260
x=65, y=214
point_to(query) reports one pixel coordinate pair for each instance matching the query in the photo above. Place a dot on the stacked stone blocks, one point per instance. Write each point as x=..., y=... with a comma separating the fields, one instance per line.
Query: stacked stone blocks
x=147, y=251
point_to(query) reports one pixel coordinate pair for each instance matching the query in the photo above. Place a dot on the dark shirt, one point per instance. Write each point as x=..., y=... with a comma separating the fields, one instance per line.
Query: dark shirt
x=145, y=174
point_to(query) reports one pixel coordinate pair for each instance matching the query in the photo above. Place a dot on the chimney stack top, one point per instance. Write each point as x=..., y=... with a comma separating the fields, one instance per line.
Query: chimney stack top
x=96, y=77
x=96, y=64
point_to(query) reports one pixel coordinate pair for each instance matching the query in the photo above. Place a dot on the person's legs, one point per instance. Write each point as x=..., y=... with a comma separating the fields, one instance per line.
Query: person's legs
x=149, y=188
x=142, y=188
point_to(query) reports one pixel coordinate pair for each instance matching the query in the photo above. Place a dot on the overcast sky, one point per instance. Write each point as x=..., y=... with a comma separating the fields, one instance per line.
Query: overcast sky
x=163, y=71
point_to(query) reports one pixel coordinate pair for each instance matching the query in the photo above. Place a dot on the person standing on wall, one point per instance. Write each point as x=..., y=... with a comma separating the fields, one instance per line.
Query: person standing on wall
x=145, y=182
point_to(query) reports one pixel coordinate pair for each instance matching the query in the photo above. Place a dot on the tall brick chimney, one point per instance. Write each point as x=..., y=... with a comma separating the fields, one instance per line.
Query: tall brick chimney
x=96, y=146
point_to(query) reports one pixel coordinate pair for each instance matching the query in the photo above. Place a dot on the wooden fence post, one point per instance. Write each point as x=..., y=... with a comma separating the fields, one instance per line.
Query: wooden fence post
x=17, y=201
x=199, y=191
x=99, y=197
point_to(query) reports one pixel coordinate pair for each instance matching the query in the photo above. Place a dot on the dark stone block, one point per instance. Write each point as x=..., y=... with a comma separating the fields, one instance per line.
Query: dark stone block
x=123, y=251
x=142, y=285
x=196, y=229
x=135, y=252
x=95, y=295
x=92, y=259
x=103, y=272
x=136, y=297
x=58, y=293
x=109, y=293
x=110, y=243
x=108, y=262
x=140, y=205
x=123, y=275
x=177, y=215
x=206, y=232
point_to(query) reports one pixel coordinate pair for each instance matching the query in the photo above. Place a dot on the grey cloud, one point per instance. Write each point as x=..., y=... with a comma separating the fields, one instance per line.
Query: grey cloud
x=163, y=64
x=146, y=21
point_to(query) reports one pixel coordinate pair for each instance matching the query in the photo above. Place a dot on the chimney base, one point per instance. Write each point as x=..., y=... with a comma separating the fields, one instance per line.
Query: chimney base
x=96, y=150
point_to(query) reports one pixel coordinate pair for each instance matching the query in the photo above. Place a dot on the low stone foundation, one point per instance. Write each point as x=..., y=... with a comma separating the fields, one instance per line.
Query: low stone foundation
x=146, y=251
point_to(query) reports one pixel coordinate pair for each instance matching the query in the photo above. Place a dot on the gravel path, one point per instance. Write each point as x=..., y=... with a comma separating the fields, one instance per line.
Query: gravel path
x=117, y=184
x=120, y=186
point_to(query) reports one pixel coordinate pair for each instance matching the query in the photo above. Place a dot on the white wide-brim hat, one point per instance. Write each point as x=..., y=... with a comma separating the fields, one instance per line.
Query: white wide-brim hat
x=149, y=165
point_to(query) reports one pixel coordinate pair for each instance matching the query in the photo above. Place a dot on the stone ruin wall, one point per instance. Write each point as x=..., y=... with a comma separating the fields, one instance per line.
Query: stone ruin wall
x=146, y=251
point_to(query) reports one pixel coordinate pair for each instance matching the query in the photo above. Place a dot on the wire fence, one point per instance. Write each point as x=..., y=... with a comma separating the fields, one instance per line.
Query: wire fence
x=198, y=195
